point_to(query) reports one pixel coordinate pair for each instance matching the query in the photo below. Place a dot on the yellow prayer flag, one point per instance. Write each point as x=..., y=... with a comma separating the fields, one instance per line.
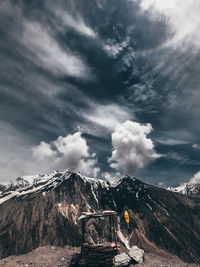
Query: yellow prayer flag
x=126, y=216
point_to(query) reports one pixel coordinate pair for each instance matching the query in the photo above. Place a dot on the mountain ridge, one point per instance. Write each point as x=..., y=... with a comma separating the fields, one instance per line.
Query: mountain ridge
x=188, y=189
x=47, y=212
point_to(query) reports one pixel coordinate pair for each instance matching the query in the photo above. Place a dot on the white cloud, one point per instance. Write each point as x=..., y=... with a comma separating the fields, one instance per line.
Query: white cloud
x=77, y=23
x=131, y=147
x=182, y=15
x=43, y=151
x=196, y=146
x=113, y=48
x=40, y=43
x=17, y=160
x=70, y=152
x=195, y=179
x=108, y=116
x=47, y=52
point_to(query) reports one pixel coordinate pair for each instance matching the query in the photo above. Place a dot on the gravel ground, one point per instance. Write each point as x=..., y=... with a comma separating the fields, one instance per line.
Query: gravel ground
x=61, y=257
x=42, y=257
x=152, y=260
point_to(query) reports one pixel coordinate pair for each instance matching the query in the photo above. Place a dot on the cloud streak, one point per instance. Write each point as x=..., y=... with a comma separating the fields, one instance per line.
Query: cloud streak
x=70, y=66
x=48, y=53
x=108, y=116
x=182, y=15
x=69, y=21
x=172, y=142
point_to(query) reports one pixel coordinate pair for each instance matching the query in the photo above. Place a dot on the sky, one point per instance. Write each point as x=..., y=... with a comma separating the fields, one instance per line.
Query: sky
x=103, y=87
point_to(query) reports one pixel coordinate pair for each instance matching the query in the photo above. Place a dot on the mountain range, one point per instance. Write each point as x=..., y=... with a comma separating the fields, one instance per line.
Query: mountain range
x=188, y=189
x=44, y=209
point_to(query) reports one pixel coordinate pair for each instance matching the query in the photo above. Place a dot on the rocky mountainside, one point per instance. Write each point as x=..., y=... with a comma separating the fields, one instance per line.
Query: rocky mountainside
x=43, y=210
x=188, y=189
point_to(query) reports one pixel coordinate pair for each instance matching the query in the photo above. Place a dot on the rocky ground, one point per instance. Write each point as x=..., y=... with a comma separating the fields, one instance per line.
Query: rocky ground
x=152, y=260
x=42, y=257
x=61, y=257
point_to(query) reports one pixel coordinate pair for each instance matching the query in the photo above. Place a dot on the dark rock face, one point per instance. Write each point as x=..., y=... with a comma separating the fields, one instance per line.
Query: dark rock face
x=2, y=187
x=17, y=183
x=48, y=215
x=167, y=219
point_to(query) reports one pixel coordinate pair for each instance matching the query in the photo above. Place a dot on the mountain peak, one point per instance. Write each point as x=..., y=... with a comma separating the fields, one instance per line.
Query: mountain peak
x=127, y=178
x=47, y=212
x=129, y=181
x=188, y=189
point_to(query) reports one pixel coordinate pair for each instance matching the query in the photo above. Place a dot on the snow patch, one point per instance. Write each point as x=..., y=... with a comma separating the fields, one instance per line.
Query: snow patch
x=123, y=239
x=170, y=233
x=148, y=206
x=11, y=194
x=161, y=208
x=178, y=189
x=156, y=217
x=72, y=205
x=114, y=204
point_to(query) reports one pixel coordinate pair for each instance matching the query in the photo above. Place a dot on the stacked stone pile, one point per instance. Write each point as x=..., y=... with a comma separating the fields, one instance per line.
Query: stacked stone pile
x=134, y=255
x=98, y=255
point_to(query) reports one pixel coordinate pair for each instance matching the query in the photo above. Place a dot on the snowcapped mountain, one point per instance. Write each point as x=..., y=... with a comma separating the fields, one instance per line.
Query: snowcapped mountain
x=44, y=210
x=26, y=185
x=188, y=189
x=42, y=183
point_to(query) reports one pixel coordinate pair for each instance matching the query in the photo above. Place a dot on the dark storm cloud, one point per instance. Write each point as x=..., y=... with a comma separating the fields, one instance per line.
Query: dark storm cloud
x=71, y=66
x=33, y=91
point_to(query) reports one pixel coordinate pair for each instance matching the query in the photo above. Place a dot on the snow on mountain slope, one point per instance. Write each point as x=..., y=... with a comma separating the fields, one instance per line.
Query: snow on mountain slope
x=178, y=189
x=188, y=189
x=30, y=184
x=47, y=211
x=25, y=185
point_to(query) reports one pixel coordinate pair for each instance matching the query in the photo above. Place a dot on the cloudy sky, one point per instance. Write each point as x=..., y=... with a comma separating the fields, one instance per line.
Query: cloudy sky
x=104, y=87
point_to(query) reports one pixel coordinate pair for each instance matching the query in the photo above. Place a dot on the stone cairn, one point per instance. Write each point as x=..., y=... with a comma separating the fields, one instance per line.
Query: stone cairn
x=98, y=255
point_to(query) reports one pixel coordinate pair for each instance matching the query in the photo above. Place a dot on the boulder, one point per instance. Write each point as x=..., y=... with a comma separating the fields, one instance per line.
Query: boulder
x=121, y=260
x=137, y=254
